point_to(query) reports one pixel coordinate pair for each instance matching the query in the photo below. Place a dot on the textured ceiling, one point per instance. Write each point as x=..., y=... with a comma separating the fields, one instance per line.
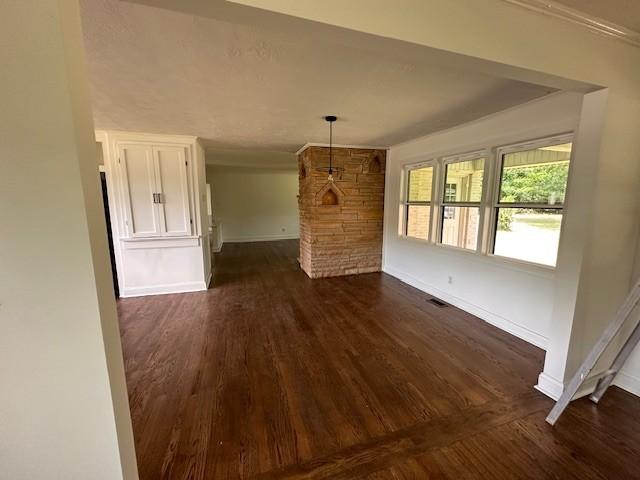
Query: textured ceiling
x=625, y=13
x=242, y=87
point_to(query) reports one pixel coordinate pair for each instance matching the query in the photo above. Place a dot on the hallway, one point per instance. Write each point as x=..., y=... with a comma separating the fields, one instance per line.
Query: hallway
x=269, y=374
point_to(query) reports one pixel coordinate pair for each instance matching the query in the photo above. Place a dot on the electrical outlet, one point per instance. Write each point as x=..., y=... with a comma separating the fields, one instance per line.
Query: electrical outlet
x=284, y=229
x=450, y=280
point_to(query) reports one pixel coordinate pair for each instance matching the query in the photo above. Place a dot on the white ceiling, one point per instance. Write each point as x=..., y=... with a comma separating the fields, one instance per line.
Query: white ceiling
x=243, y=87
x=625, y=13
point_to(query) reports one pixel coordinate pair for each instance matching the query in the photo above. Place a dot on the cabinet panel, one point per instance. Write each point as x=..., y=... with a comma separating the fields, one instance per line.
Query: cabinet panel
x=140, y=185
x=172, y=185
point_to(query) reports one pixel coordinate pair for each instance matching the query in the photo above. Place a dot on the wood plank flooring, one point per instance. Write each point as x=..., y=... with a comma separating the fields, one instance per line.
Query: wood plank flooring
x=271, y=375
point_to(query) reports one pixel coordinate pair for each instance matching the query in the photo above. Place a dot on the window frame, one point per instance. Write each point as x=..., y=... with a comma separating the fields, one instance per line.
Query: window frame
x=406, y=203
x=496, y=182
x=442, y=204
x=493, y=154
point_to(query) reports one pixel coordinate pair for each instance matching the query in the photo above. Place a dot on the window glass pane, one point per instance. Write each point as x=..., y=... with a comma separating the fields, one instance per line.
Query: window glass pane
x=420, y=182
x=527, y=234
x=463, y=181
x=418, y=220
x=536, y=176
x=460, y=226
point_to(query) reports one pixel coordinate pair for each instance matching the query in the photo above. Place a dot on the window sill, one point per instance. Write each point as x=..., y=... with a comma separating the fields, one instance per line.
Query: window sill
x=453, y=248
x=522, y=263
x=414, y=239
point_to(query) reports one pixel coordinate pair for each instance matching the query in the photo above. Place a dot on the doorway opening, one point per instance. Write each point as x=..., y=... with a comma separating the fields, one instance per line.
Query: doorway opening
x=107, y=217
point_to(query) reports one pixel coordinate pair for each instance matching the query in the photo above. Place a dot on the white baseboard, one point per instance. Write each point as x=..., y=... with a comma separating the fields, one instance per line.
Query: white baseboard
x=163, y=289
x=553, y=388
x=260, y=238
x=489, y=317
x=550, y=386
x=628, y=382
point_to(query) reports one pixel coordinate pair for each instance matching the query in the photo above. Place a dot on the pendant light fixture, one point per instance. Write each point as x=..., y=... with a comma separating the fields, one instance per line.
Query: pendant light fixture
x=332, y=168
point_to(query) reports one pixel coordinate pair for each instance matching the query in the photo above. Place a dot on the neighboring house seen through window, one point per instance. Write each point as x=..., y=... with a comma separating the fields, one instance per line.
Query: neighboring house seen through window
x=418, y=202
x=460, y=220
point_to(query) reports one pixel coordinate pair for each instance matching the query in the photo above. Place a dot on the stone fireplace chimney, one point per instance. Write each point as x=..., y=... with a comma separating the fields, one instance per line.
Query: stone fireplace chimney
x=341, y=220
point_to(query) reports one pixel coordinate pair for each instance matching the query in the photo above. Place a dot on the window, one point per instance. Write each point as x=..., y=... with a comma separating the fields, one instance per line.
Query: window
x=516, y=215
x=450, y=191
x=529, y=202
x=461, y=199
x=417, y=203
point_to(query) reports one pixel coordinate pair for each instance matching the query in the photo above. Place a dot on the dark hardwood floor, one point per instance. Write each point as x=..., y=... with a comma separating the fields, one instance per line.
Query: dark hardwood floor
x=272, y=375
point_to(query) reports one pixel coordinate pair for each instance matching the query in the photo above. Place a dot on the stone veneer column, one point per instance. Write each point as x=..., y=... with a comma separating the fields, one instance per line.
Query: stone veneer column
x=341, y=221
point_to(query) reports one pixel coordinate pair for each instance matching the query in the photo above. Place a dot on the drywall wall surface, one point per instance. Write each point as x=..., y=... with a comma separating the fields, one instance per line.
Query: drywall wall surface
x=63, y=400
x=514, y=297
x=100, y=154
x=204, y=207
x=614, y=227
x=629, y=377
x=158, y=270
x=252, y=204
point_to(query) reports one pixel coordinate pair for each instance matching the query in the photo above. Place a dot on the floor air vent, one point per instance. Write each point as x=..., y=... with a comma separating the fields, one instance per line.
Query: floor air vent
x=438, y=303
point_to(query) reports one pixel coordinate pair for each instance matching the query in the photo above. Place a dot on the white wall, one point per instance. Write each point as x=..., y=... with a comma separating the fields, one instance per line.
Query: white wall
x=203, y=209
x=254, y=204
x=514, y=297
x=64, y=410
x=629, y=377
x=155, y=270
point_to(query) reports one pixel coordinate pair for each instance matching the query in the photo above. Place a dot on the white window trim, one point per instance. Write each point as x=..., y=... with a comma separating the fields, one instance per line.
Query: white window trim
x=404, y=200
x=440, y=203
x=558, y=139
x=495, y=204
x=489, y=199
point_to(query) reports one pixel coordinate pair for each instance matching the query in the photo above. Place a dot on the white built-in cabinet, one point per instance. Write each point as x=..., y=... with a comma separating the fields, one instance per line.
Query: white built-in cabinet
x=156, y=190
x=157, y=198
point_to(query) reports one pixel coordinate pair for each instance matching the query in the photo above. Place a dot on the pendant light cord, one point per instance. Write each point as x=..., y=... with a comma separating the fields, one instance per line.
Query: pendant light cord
x=330, y=147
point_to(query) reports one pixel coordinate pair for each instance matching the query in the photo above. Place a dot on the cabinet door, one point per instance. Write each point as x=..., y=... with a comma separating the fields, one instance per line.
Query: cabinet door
x=172, y=185
x=139, y=188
